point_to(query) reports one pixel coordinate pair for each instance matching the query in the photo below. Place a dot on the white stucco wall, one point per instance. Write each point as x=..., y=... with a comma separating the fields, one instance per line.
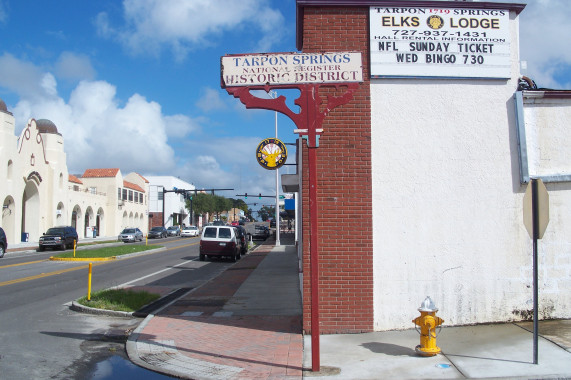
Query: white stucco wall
x=447, y=205
x=36, y=188
x=173, y=203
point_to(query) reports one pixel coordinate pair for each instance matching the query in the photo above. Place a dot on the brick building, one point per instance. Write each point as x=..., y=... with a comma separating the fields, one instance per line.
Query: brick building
x=421, y=176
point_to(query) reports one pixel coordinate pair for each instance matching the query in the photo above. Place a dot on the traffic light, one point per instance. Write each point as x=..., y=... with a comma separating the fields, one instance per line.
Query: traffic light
x=260, y=196
x=246, y=195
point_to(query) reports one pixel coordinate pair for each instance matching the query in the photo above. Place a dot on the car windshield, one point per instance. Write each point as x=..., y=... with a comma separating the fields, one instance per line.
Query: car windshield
x=172, y=228
x=224, y=233
x=128, y=231
x=55, y=231
x=156, y=229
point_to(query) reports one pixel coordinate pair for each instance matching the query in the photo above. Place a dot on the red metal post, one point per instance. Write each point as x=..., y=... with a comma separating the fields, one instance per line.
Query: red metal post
x=309, y=120
x=313, y=252
x=312, y=144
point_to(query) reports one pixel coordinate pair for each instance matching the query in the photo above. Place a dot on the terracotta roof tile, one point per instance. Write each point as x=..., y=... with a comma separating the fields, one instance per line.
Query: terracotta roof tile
x=74, y=179
x=132, y=186
x=100, y=173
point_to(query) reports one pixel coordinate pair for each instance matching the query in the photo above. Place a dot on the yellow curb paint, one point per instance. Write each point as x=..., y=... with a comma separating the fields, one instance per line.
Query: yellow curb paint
x=84, y=259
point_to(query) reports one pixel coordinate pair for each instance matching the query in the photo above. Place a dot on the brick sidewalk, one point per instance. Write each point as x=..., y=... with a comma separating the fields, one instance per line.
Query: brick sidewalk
x=195, y=337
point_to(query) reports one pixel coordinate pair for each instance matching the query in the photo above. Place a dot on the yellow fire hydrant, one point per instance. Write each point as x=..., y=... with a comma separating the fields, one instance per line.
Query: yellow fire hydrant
x=428, y=322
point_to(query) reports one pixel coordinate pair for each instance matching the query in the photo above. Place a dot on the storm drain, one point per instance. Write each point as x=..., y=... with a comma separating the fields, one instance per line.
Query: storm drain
x=150, y=308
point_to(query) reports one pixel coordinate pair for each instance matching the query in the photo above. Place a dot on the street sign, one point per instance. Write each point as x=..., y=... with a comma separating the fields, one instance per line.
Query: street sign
x=542, y=209
x=535, y=219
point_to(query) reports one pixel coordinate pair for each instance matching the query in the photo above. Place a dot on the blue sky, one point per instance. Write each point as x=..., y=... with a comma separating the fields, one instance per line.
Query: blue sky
x=135, y=84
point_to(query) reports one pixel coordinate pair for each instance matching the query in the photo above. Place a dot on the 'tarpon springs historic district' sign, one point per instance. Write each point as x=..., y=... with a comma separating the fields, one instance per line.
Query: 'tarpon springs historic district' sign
x=291, y=68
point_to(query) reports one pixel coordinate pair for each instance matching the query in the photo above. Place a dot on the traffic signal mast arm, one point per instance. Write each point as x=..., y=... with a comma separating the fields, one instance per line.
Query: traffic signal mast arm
x=260, y=196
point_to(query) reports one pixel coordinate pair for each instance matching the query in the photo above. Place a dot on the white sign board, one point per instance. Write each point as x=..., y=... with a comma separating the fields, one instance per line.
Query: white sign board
x=439, y=42
x=290, y=68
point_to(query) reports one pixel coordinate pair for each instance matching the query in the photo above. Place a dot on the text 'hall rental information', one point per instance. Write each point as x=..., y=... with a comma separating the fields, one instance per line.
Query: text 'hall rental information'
x=439, y=42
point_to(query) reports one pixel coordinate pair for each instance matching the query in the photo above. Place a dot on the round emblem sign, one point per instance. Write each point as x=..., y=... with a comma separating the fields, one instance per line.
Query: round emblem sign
x=271, y=153
x=435, y=22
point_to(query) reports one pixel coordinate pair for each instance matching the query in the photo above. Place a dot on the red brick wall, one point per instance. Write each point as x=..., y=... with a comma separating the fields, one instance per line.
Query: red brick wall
x=156, y=220
x=344, y=185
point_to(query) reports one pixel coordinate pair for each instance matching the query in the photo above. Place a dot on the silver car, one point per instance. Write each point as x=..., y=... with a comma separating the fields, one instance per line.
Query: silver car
x=131, y=235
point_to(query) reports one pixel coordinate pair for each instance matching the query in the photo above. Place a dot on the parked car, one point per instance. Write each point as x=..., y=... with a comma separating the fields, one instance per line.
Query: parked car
x=173, y=231
x=61, y=237
x=131, y=234
x=243, y=239
x=3, y=243
x=189, y=231
x=260, y=232
x=157, y=233
x=235, y=223
x=219, y=241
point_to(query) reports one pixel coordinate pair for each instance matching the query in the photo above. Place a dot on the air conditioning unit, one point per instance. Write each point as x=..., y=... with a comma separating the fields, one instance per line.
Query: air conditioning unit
x=121, y=203
x=58, y=212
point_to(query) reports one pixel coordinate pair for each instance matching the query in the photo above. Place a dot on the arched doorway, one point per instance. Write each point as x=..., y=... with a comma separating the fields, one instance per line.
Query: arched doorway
x=89, y=221
x=98, y=221
x=60, y=214
x=9, y=219
x=31, y=211
x=75, y=216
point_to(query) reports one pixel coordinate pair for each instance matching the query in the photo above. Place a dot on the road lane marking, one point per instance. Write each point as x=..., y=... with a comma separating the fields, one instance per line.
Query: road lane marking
x=42, y=275
x=26, y=263
x=153, y=274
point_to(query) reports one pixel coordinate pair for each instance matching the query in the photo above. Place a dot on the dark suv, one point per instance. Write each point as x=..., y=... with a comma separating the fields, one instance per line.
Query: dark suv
x=3, y=243
x=243, y=237
x=61, y=237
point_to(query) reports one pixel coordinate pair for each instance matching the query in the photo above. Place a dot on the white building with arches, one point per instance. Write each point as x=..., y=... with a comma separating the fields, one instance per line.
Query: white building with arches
x=38, y=192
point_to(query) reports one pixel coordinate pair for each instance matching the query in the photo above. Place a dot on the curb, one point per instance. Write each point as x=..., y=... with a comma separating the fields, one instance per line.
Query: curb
x=83, y=259
x=91, y=310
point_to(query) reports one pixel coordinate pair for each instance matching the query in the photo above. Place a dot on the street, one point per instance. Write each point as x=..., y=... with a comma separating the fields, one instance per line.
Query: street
x=42, y=338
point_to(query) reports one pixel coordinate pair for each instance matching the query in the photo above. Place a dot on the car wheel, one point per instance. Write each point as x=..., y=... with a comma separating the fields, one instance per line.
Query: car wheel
x=2, y=251
x=201, y=257
x=63, y=247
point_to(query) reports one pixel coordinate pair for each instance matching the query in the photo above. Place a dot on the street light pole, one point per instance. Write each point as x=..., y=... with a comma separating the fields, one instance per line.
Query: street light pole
x=277, y=217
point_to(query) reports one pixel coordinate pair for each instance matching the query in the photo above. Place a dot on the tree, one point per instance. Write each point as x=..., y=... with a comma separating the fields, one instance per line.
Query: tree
x=266, y=211
x=201, y=204
x=221, y=204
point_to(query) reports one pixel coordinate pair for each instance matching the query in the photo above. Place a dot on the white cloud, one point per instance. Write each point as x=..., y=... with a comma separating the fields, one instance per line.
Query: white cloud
x=3, y=14
x=74, y=67
x=179, y=126
x=211, y=100
x=181, y=25
x=545, y=42
x=21, y=77
x=99, y=133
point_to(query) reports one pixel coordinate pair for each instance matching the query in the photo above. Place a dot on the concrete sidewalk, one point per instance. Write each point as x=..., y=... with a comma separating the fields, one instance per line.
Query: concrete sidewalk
x=246, y=324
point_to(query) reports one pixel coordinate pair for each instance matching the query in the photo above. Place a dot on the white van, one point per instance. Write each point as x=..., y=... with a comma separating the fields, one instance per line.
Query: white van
x=219, y=241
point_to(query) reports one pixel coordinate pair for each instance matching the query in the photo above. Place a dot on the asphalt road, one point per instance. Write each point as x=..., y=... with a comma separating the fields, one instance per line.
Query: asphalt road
x=41, y=338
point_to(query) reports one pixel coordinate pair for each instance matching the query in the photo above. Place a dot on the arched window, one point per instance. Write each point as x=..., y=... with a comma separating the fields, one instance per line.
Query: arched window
x=10, y=169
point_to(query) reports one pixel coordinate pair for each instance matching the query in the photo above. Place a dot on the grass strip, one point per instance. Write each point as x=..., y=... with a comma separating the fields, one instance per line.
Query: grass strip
x=106, y=251
x=119, y=299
